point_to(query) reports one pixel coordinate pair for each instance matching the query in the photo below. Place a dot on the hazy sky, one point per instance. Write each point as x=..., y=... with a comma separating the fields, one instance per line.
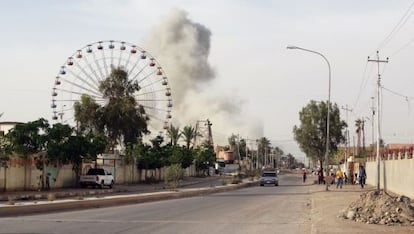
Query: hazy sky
x=247, y=52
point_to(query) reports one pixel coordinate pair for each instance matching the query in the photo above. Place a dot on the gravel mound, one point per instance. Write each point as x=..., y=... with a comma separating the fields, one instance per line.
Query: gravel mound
x=381, y=208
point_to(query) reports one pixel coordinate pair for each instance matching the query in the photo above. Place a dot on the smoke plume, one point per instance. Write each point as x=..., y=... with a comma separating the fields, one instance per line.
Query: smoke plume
x=183, y=47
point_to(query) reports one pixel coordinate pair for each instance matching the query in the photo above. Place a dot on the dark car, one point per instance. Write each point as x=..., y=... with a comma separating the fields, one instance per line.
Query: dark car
x=269, y=177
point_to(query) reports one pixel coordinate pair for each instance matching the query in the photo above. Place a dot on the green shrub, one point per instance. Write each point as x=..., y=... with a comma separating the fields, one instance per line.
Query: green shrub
x=174, y=174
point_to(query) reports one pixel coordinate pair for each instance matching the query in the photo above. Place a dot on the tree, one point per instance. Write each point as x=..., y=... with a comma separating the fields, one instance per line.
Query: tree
x=86, y=114
x=204, y=158
x=58, y=135
x=140, y=151
x=174, y=134
x=188, y=133
x=4, y=156
x=242, y=148
x=63, y=146
x=121, y=119
x=311, y=133
x=29, y=139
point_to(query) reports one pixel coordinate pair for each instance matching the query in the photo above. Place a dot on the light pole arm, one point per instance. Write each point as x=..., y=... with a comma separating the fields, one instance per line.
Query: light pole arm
x=315, y=52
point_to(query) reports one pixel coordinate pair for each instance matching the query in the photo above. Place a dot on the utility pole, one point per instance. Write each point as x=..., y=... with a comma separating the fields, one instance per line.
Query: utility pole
x=238, y=148
x=203, y=132
x=363, y=136
x=247, y=154
x=372, y=122
x=378, y=61
x=347, y=135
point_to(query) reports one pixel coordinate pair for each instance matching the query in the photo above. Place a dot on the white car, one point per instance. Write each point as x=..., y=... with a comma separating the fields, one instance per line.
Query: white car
x=269, y=177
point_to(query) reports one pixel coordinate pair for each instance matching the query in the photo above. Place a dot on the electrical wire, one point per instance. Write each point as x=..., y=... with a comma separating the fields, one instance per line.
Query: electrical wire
x=397, y=93
x=397, y=27
x=403, y=47
x=364, y=81
x=362, y=84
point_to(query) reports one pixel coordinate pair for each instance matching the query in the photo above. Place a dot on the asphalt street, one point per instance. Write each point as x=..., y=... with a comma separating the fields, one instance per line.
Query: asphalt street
x=270, y=209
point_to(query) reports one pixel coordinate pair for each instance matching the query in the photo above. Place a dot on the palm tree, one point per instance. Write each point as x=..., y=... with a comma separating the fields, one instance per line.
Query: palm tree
x=174, y=134
x=358, y=125
x=188, y=133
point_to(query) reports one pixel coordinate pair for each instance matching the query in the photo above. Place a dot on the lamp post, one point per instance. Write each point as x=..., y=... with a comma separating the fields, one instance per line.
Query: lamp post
x=329, y=104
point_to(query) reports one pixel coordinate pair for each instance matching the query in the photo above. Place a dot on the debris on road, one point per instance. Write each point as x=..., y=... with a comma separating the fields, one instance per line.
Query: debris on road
x=381, y=208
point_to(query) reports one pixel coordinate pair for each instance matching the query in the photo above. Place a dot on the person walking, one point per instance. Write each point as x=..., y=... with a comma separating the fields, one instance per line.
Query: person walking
x=320, y=176
x=304, y=176
x=340, y=178
x=362, y=176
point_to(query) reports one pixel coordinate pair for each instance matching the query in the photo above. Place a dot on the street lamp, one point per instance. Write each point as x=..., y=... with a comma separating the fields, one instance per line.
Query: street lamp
x=329, y=103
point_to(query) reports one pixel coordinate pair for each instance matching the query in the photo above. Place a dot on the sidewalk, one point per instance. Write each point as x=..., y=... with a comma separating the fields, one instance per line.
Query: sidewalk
x=327, y=206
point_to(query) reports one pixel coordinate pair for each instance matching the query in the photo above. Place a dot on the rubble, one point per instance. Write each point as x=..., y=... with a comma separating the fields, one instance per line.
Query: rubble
x=381, y=208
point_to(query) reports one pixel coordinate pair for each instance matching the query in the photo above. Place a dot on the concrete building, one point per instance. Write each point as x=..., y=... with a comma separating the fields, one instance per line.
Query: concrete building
x=6, y=126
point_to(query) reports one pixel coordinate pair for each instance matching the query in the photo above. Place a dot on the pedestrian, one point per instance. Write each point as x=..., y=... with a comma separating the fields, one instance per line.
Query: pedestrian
x=356, y=178
x=304, y=176
x=362, y=176
x=47, y=181
x=339, y=178
x=320, y=176
x=345, y=178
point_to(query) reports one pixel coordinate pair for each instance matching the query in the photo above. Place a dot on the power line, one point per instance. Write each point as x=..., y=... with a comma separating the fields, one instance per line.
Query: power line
x=363, y=83
x=403, y=47
x=397, y=27
x=406, y=97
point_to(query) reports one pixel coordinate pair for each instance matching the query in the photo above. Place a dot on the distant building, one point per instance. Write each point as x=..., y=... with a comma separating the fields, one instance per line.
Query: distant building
x=224, y=153
x=6, y=126
x=399, y=146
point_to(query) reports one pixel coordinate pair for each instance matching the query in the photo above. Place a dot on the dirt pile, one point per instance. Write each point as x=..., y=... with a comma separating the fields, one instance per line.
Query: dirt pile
x=381, y=208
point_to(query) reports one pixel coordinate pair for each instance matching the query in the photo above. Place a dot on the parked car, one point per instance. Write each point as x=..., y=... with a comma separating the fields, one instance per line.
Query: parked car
x=97, y=177
x=269, y=177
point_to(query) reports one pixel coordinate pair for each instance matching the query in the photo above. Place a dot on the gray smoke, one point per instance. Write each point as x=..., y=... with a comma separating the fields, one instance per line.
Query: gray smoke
x=182, y=47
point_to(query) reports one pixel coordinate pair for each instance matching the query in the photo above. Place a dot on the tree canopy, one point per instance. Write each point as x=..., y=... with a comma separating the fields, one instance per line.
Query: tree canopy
x=121, y=119
x=311, y=133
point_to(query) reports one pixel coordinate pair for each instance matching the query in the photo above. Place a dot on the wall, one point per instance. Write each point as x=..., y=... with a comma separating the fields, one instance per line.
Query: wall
x=396, y=173
x=62, y=176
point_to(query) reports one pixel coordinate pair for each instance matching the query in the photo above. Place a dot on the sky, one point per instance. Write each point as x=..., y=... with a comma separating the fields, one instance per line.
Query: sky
x=255, y=87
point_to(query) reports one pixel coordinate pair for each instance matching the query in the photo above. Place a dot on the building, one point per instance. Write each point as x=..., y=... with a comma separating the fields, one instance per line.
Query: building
x=6, y=126
x=224, y=153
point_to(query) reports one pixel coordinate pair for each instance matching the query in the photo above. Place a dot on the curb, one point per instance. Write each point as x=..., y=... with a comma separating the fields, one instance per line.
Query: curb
x=115, y=200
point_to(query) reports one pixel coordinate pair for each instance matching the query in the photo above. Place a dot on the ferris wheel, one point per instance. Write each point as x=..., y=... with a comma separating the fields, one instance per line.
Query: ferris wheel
x=84, y=70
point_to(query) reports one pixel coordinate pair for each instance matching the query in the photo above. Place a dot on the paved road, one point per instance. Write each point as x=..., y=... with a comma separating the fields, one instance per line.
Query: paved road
x=282, y=209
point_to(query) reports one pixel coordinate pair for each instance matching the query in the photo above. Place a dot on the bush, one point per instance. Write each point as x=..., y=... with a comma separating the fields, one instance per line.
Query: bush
x=173, y=175
x=51, y=197
x=236, y=180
